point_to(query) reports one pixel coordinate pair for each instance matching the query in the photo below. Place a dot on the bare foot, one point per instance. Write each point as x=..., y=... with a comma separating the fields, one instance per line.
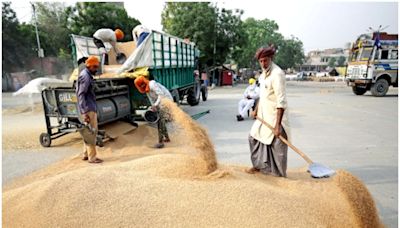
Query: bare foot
x=252, y=170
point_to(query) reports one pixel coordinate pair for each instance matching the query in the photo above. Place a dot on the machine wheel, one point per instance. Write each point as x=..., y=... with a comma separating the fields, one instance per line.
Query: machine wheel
x=380, y=88
x=175, y=96
x=45, y=139
x=359, y=90
x=204, y=92
x=99, y=141
x=193, y=97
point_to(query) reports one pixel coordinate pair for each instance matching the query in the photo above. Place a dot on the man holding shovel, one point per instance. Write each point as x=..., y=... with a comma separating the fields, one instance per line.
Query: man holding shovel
x=268, y=152
x=87, y=107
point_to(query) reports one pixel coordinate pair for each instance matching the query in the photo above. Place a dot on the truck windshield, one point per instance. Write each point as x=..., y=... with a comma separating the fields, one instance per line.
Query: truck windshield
x=365, y=54
x=354, y=56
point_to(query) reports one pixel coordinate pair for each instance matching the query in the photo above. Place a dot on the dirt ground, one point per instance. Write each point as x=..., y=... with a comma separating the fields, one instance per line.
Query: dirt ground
x=329, y=123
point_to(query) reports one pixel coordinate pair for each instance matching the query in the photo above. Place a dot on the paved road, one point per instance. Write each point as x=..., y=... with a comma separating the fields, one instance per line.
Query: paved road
x=329, y=123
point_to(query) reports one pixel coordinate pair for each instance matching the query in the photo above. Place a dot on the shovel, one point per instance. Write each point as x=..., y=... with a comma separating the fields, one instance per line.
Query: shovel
x=88, y=133
x=317, y=170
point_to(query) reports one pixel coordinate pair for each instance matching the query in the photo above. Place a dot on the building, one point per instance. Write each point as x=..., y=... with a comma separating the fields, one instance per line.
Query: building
x=318, y=60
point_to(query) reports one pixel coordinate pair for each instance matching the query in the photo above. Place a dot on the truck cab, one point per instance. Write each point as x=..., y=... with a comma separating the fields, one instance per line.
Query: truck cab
x=373, y=64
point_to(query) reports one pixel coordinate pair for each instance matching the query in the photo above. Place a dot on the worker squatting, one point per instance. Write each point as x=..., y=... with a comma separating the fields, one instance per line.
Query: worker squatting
x=267, y=97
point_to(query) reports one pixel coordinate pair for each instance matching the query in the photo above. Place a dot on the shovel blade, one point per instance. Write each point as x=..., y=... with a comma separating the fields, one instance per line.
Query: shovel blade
x=88, y=136
x=320, y=171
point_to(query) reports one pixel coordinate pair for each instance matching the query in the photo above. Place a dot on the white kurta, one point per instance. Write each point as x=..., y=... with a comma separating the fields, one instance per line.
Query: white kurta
x=272, y=96
x=245, y=104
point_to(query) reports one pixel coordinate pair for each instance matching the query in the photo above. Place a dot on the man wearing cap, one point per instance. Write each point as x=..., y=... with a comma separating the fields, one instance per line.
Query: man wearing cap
x=155, y=91
x=87, y=106
x=268, y=152
x=250, y=96
x=107, y=35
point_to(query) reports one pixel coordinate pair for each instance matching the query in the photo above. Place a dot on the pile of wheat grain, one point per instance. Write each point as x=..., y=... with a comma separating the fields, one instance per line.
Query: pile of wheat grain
x=138, y=186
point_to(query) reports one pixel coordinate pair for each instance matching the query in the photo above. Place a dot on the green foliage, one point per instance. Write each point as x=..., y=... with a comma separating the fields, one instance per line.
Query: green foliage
x=290, y=53
x=332, y=62
x=236, y=41
x=263, y=33
x=14, y=39
x=207, y=26
x=52, y=19
x=230, y=35
x=341, y=60
x=259, y=33
x=87, y=17
x=196, y=21
x=55, y=23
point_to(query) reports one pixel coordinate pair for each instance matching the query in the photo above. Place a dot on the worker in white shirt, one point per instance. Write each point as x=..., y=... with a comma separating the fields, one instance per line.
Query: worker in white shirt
x=268, y=151
x=156, y=92
x=107, y=35
x=251, y=94
x=139, y=34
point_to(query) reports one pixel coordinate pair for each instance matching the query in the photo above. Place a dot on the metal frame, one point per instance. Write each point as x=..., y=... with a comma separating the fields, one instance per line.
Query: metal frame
x=71, y=122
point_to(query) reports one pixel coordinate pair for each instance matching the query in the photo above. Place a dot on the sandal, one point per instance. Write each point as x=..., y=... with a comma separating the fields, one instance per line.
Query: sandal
x=159, y=145
x=97, y=160
x=252, y=170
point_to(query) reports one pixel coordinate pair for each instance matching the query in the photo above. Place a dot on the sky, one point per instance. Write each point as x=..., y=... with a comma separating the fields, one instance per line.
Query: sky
x=319, y=25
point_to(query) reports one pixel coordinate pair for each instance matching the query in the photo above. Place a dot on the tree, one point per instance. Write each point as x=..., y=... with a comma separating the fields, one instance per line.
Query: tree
x=87, y=17
x=290, y=53
x=341, y=60
x=229, y=35
x=258, y=33
x=332, y=62
x=207, y=26
x=52, y=18
x=16, y=49
x=196, y=21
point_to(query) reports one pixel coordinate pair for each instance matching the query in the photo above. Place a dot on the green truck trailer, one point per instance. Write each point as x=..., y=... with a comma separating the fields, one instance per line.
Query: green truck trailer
x=165, y=58
x=171, y=61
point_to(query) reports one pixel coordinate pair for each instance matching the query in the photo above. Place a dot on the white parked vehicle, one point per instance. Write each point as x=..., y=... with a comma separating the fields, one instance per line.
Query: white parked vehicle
x=373, y=64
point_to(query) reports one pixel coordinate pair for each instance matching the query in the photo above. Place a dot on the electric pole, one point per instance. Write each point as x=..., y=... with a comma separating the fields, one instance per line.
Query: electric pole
x=40, y=50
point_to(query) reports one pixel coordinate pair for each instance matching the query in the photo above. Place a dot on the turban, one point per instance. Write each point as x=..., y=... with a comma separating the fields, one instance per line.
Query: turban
x=119, y=34
x=92, y=61
x=265, y=52
x=142, y=84
x=252, y=81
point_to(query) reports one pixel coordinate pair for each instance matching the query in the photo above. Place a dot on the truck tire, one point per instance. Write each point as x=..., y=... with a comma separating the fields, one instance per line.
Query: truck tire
x=175, y=96
x=204, y=93
x=193, y=97
x=380, y=88
x=359, y=90
x=45, y=139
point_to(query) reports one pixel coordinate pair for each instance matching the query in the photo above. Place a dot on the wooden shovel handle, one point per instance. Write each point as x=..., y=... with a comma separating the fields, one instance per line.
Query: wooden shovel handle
x=303, y=155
